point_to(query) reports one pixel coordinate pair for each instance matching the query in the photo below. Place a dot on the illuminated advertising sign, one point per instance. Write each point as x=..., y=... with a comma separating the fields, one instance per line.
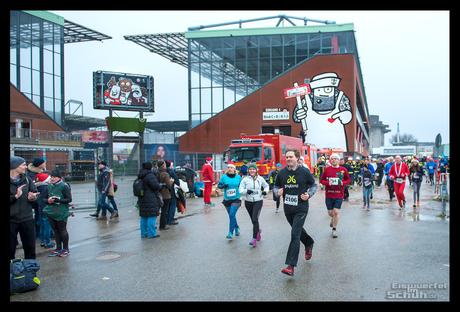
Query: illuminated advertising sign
x=120, y=91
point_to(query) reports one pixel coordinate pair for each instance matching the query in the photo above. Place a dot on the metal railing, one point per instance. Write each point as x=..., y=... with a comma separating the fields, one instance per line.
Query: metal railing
x=37, y=135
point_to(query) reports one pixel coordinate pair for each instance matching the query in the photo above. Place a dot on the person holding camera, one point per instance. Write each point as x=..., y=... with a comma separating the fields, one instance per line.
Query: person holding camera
x=22, y=193
x=57, y=210
x=254, y=187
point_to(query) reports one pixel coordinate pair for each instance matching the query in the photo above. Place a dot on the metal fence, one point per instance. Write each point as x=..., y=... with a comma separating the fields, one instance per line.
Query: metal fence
x=37, y=135
x=195, y=160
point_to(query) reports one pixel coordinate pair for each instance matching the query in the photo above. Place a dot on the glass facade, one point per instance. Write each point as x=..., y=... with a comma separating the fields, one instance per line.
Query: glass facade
x=36, y=61
x=223, y=70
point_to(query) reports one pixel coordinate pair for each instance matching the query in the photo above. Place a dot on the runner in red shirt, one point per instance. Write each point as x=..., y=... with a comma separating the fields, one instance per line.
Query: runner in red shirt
x=398, y=173
x=335, y=178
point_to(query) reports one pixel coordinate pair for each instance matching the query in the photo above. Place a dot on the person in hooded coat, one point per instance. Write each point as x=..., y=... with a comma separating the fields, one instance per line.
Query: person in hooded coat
x=149, y=204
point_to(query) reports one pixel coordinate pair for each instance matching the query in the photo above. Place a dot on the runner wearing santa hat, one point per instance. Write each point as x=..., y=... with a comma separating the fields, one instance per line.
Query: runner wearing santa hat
x=398, y=173
x=207, y=173
x=41, y=182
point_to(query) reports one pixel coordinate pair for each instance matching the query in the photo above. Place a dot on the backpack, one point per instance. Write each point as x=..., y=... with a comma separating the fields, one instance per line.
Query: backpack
x=23, y=275
x=138, y=187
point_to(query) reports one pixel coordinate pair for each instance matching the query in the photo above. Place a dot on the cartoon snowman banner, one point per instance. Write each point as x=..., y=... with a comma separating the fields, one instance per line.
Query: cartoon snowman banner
x=324, y=112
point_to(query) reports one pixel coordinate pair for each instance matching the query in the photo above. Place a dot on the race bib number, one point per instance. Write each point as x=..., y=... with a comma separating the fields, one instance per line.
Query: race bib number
x=333, y=181
x=376, y=174
x=292, y=200
x=430, y=167
x=399, y=180
x=415, y=176
x=367, y=182
x=230, y=192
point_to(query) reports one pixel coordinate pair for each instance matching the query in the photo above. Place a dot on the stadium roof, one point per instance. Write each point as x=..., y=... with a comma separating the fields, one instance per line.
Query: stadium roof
x=73, y=32
x=174, y=46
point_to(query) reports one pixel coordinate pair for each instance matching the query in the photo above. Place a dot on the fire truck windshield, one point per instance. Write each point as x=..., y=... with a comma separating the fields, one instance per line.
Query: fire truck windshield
x=249, y=153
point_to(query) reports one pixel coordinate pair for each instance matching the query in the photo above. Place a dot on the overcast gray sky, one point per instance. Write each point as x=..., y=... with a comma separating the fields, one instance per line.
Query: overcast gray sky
x=404, y=59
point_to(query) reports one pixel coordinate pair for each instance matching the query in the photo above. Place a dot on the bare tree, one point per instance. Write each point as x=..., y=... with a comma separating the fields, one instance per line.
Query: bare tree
x=403, y=139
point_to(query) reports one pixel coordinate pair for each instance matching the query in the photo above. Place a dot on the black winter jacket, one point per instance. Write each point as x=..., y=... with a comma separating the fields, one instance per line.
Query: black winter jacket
x=103, y=180
x=149, y=203
x=21, y=208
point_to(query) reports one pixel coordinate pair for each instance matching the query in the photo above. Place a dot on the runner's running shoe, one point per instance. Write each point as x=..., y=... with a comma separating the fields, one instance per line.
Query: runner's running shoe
x=55, y=253
x=334, y=234
x=64, y=253
x=289, y=270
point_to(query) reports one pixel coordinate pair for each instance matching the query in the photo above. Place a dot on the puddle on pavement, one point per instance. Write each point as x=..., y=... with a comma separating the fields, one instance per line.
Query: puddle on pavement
x=108, y=255
x=411, y=216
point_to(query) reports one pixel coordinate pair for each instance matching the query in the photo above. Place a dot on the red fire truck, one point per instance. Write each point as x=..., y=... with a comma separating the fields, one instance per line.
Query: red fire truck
x=266, y=150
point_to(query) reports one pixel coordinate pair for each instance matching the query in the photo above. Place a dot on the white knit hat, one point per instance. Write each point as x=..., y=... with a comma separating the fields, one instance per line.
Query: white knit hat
x=325, y=80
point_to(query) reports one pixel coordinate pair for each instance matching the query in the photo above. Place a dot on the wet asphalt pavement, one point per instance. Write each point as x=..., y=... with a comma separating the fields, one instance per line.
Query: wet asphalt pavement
x=375, y=254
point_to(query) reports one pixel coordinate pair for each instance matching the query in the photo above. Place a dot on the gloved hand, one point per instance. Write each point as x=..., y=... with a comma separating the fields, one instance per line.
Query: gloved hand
x=264, y=193
x=250, y=192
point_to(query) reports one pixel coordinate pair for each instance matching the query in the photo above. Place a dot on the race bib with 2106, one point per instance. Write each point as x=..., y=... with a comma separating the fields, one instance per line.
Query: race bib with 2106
x=292, y=200
x=399, y=180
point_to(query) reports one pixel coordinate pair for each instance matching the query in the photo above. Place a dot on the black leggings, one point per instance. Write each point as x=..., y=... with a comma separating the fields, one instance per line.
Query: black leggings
x=276, y=199
x=254, y=209
x=60, y=233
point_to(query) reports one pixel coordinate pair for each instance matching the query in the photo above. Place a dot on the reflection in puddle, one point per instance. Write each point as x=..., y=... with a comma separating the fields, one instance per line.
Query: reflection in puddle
x=416, y=216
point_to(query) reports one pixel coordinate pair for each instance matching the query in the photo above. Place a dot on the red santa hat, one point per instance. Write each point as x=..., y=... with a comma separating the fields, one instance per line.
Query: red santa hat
x=42, y=177
x=208, y=158
x=231, y=164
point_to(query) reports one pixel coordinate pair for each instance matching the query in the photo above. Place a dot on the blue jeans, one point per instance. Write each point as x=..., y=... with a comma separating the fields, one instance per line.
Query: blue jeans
x=102, y=204
x=112, y=202
x=148, y=227
x=45, y=230
x=367, y=195
x=171, y=210
x=232, y=210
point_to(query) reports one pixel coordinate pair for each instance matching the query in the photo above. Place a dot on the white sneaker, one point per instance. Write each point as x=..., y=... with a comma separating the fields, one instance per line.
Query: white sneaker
x=334, y=234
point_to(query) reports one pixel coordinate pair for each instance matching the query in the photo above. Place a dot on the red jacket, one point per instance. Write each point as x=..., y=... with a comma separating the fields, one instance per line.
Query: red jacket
x=207, y=173
x=335, y=191
x=404, y=172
